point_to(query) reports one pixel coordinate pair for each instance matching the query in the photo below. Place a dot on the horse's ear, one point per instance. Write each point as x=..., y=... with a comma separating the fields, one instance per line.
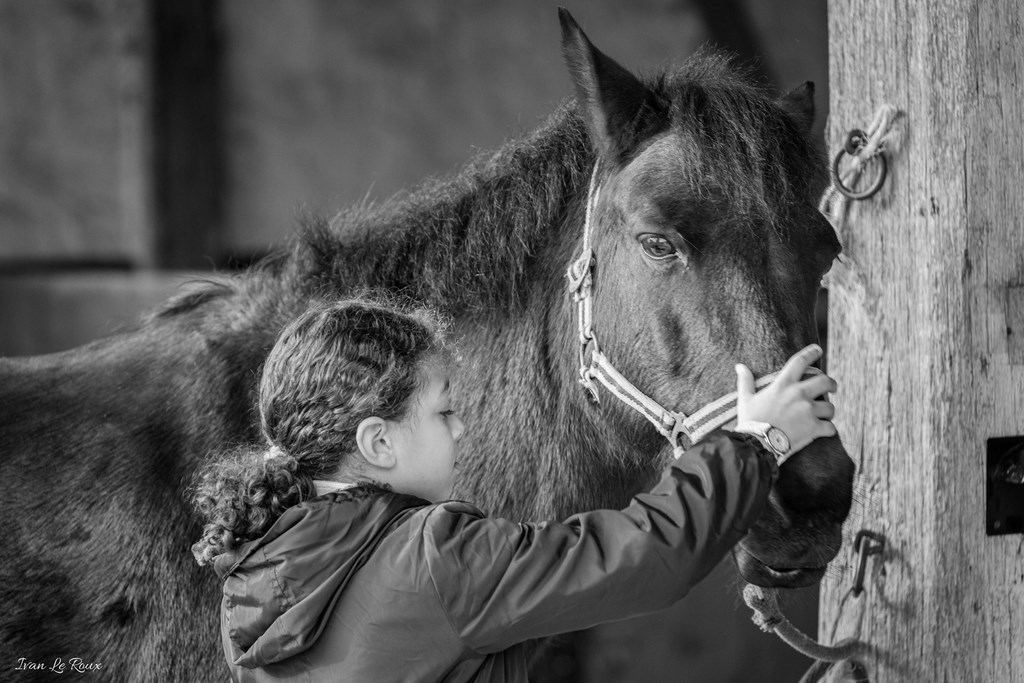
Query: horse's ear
x=800, y=103
x=619, y=110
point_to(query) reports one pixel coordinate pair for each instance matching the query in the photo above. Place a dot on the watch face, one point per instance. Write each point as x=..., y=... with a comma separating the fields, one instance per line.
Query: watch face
x=778, y=439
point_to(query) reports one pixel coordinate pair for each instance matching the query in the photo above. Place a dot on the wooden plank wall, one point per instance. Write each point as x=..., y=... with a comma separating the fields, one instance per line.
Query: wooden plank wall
x=74, y=171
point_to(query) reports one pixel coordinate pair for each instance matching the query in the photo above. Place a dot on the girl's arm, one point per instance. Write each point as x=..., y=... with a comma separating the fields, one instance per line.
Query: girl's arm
x=501, y=583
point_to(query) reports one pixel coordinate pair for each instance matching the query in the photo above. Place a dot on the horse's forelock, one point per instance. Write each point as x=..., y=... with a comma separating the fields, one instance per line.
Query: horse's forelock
x=742, y=141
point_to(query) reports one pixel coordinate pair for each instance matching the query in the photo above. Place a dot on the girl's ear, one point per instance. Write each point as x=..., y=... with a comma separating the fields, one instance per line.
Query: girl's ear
x=375, y=444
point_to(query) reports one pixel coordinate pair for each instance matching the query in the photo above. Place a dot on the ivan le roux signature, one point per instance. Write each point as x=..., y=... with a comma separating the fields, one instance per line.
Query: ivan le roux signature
x=59, y=666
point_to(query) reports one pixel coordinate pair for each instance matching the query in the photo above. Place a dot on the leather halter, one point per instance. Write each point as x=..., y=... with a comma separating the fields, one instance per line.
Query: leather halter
x=681, y=430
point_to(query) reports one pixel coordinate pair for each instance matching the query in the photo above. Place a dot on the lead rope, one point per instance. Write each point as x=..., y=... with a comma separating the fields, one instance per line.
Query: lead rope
x=769, y=618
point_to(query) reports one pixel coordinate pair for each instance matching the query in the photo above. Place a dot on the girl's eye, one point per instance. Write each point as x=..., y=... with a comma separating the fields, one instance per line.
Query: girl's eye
x=657, y=247
x=447, y=413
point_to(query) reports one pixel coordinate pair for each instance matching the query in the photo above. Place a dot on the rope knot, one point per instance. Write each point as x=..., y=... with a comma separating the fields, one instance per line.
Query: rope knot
x=765, y=604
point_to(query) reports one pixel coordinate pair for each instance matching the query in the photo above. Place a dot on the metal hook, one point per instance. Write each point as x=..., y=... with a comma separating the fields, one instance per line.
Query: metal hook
x=874, y=545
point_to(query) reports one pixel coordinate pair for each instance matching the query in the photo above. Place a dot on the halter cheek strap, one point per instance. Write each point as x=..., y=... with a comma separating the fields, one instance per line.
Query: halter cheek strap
x=681, y=430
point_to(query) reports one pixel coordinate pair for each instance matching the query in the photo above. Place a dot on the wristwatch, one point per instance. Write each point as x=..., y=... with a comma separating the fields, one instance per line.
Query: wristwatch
x=773, y=438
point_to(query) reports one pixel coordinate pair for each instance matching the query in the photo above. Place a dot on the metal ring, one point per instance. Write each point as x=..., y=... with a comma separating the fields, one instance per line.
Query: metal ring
x=863, y=194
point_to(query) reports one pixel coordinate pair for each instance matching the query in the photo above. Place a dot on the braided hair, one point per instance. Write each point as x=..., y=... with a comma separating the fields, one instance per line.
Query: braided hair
x=333, y=366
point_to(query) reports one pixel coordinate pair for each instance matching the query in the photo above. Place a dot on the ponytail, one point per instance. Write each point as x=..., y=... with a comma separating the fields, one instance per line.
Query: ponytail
x=241, y=495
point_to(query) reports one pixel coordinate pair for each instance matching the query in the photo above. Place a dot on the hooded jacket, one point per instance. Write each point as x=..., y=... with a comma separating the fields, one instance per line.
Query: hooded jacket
x=366, y=585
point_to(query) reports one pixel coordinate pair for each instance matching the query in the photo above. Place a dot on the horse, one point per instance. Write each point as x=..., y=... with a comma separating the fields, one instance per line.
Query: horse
x=698, y=192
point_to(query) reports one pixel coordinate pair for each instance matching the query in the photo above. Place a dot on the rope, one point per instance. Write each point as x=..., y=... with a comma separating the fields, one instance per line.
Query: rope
x=879, y=137
x=769, y=618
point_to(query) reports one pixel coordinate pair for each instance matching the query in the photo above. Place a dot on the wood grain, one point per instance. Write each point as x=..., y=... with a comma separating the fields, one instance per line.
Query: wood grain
x=918, y=335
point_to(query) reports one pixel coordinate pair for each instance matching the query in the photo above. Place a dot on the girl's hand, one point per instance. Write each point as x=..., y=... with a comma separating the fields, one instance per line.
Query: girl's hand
x=789, y=402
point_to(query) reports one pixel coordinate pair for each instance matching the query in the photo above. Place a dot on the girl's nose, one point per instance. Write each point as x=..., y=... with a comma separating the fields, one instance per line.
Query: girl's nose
x=458, y=428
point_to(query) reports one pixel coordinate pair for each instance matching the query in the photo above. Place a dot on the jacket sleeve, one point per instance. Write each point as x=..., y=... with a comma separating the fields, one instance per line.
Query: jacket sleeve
x=502, y=582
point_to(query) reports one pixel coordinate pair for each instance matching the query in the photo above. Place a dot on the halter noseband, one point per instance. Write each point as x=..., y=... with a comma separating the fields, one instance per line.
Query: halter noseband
x=681, y=430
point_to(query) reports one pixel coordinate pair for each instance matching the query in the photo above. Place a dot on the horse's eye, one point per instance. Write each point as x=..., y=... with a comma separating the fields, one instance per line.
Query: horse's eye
x=657, y=247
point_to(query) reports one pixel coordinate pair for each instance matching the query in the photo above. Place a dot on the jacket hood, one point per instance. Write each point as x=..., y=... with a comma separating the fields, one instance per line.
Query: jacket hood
x=280, y=590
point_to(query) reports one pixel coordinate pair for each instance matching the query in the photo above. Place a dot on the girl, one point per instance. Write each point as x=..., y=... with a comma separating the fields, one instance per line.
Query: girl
x=343, y=561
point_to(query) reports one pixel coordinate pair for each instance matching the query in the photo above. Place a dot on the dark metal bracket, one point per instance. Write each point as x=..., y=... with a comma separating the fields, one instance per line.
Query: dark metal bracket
x=865, y=544
x=1004, y=486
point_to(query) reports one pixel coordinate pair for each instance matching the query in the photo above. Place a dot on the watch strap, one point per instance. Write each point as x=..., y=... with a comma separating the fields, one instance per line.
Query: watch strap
x=760, y=430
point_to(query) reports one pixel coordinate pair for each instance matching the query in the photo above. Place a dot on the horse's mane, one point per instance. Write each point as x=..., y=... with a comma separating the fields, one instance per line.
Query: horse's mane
x=464, y=242
x=461, y=242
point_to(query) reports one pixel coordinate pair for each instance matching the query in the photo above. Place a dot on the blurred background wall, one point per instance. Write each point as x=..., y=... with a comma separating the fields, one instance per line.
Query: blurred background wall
x=144, y=142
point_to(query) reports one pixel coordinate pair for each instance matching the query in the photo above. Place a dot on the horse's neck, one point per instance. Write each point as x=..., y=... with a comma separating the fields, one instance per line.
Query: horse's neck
x=536, y=447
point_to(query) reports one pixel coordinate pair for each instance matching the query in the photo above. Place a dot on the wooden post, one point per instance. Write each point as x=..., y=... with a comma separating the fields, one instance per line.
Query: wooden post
x=922, y=338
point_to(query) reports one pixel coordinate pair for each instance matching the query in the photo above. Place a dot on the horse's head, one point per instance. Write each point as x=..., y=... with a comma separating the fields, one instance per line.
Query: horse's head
x=709, y=250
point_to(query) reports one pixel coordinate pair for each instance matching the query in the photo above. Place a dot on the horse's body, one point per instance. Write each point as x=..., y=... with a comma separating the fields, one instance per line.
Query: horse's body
x=98, y=444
